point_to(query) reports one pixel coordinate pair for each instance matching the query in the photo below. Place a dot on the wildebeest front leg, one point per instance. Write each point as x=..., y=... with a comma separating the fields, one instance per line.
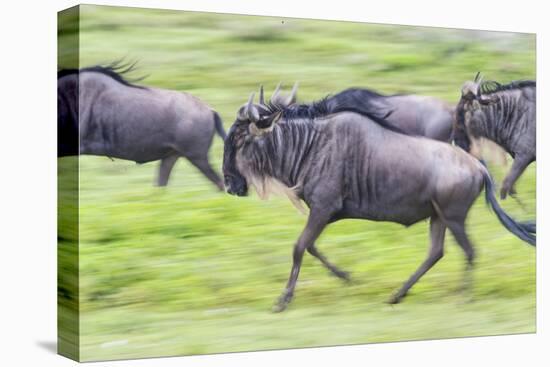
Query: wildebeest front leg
x=339, y=273
x=519, y=165
x=315, y=225
x=204, y=166
x=166, y=165
x=437, y=234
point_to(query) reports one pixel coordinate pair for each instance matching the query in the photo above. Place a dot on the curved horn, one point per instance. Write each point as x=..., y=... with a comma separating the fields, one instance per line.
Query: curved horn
x=276, y=93
x=251, y=111
x=292, y=98
x=262, y=102
x=477, y=76
x=250, y=101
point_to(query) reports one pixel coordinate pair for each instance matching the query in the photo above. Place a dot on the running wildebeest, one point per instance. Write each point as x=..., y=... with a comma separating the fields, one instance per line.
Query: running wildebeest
x=119, y=119
x=415, y=115
x=505, y=114
x=350, y=163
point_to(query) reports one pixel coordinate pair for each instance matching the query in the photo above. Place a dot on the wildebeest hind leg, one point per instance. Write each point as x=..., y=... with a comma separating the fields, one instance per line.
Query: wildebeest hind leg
x=457, y=228
x=165, y=168
x=204, y=166
x=437, y=234
x=339, y=273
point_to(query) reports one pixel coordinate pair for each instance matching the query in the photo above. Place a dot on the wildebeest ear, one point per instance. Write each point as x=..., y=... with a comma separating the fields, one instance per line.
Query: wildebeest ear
x=469, y=90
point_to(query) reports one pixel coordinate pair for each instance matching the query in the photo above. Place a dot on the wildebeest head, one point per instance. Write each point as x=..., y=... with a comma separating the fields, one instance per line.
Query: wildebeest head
x=471, y=99
x=253, y=120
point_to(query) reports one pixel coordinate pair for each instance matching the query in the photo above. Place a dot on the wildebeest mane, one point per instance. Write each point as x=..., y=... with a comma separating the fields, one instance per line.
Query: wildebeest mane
x=491, y=86
x=306, y=110
x=329, y=105
x=115, y=70
x=364, y=92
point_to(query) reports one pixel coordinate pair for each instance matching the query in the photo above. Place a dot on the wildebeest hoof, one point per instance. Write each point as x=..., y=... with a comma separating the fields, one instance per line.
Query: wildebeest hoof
x=395, y=299
x=282, y=302
x=503, y=193
x=279, y=307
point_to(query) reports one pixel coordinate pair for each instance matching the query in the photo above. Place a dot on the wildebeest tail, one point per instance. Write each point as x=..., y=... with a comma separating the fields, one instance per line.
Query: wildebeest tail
x=525, y=231
x=219, y=125
x=530, y=225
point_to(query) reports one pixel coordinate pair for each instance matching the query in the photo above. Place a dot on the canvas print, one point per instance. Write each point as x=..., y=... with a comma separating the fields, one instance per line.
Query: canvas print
x=240, y=183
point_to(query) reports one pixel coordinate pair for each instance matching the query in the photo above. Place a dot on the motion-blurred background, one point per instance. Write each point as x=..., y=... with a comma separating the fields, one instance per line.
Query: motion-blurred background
x=189, y=270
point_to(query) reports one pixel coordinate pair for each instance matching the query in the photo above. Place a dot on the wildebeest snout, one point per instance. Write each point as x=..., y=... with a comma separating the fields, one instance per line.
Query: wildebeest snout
x=236, y=186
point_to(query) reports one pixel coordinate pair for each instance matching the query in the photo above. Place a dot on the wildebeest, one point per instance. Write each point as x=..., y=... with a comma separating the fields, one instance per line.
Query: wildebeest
x=350, y=163
x=108, y=115
x=414, y=114
x=505, y=114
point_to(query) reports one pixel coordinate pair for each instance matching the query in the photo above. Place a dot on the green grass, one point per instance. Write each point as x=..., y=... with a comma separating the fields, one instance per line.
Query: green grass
x=188, y=270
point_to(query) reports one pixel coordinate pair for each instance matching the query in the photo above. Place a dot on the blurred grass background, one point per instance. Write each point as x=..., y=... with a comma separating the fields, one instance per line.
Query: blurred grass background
x=188, y=270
